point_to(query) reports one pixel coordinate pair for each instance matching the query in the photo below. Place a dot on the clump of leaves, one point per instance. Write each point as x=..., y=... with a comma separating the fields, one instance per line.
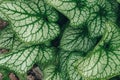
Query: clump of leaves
x=67, y=39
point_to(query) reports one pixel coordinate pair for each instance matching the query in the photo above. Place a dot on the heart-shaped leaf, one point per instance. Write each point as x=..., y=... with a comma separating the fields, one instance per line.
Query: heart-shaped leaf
x=77, y=39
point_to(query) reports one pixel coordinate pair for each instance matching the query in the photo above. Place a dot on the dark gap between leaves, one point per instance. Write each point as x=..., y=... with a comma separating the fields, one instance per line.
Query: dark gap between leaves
x=115, y=78
x=98, y=39
x=3, y=24
x=61, y=22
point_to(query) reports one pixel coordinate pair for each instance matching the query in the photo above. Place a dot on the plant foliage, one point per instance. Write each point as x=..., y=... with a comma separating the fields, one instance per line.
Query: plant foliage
x=68, y=39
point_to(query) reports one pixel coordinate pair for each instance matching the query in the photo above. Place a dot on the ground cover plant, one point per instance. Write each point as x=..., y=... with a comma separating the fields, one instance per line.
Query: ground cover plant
x=66, y=39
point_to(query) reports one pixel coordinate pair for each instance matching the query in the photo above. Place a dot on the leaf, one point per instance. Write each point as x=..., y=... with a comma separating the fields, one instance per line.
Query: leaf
x=64, y=57
x=8, y=40
x=77, y=11
x=104, y=61
x=45, y=54
x=69, y=71
x=4, y=74
x=100, y=14
x=33, y=21
x=72, y=70
x=52, y=73
x=118, y=1
x=77, y=39
x=22, y=60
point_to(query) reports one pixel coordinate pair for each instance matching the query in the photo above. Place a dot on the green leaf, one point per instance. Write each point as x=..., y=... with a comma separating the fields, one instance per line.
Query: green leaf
x=99, y=14
x=33, y=21
x=104, y=61
x=77, y=11
x=52, y=73
x=77, y=39
x=8, y=40
x=4, y=73
x=64, y=57
x=45, y=54
x=68, y=70
x=73, y=71
x=21, y=60
x=118, y=1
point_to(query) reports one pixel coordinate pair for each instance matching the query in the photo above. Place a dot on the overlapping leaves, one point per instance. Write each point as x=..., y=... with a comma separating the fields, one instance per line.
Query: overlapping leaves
x=99, y=14
x=35, y=22
x=77, y=11
x=69, y=72
x=22, y=59
x=104, y=60
x=63, y=70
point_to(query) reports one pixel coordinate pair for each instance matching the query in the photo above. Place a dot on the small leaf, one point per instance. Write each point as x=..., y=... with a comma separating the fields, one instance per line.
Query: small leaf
x=104, y=61
x=52, y=73
x=22, y=60
x=45, y=54
x=33, y=21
